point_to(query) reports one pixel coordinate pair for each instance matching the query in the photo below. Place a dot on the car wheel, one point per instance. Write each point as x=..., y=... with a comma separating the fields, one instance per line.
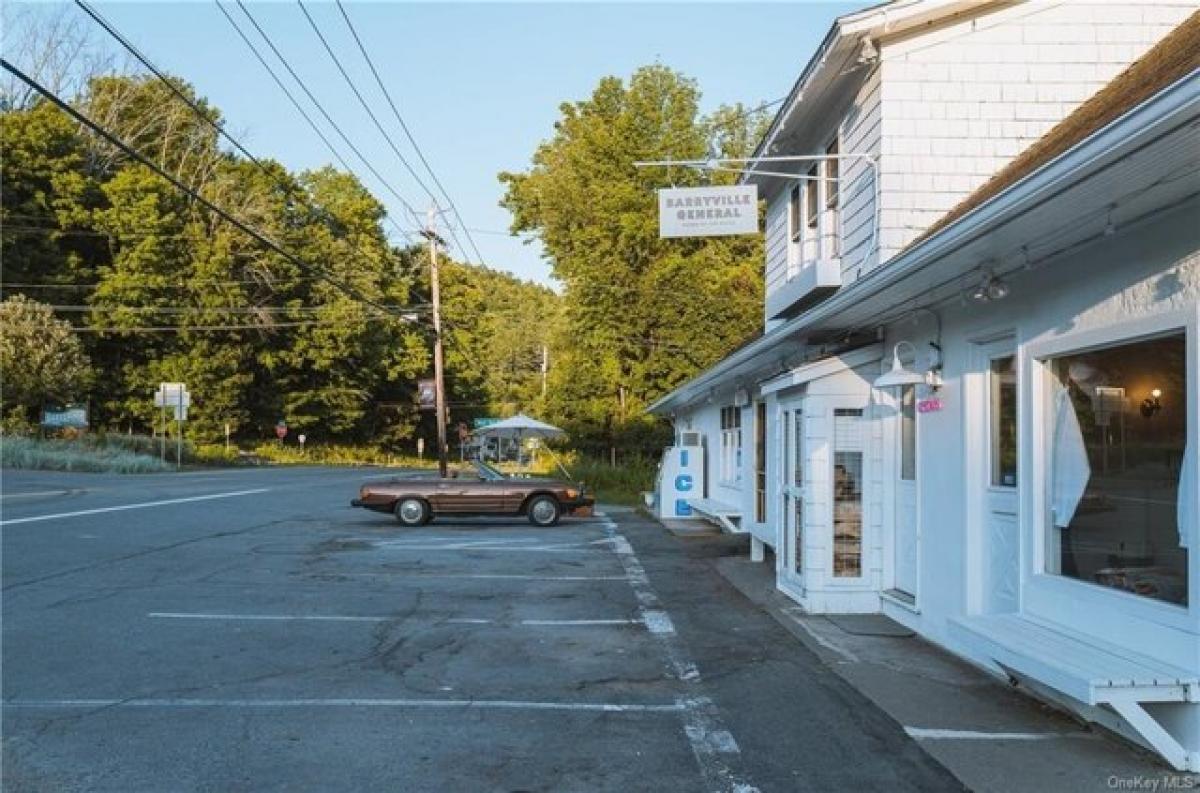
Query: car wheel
x=543, y=511
x=412, y=511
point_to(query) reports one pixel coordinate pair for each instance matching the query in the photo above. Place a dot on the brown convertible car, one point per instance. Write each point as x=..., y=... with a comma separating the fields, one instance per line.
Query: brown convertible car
x=481, y=491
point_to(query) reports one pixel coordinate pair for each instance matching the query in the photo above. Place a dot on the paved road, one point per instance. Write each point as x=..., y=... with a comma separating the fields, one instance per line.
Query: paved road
x=178, y=632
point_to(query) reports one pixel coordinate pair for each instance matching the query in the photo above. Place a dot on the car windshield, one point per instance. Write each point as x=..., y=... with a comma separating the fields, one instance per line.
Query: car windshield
x=487, y=472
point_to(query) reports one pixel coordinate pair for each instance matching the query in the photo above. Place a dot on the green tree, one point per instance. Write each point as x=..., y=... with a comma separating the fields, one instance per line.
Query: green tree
x=642, y=314
x=41, y=358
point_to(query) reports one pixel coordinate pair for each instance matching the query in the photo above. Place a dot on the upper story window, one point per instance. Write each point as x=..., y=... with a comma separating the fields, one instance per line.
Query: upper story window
x=833, y=172
x=811, y=206
x=794, y=226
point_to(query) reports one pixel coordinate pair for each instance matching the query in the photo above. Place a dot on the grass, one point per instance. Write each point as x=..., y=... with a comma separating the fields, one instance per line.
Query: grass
x=622, y=484
x=82, y=454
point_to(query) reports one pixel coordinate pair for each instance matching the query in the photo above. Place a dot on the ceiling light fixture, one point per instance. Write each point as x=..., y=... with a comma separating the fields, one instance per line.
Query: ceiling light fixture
x=991, y=287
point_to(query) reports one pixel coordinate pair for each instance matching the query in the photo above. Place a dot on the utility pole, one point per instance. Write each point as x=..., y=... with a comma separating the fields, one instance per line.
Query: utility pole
x=545, y=367
x=439, y=383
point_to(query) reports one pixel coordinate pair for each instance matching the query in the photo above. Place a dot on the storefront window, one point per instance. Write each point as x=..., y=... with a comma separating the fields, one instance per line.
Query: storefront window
x=847, y=493
x=1118, y=457
x=1003, y=386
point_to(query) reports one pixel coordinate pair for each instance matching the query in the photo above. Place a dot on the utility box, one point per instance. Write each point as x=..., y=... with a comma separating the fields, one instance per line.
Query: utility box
x=680, y=477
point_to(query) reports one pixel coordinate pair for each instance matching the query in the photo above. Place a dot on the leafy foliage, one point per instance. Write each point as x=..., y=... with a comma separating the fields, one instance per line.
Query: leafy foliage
x=40, y=358
x=641, y=314
x=159, y=289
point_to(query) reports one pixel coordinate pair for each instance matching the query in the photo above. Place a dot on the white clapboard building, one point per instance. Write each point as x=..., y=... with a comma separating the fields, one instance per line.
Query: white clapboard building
x=974, y=405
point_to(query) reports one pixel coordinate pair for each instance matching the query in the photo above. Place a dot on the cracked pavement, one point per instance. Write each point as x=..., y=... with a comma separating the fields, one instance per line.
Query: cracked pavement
x=285, y=641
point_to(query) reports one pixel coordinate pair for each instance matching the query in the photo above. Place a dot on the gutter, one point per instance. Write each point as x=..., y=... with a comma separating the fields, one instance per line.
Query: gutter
x=1169, y=108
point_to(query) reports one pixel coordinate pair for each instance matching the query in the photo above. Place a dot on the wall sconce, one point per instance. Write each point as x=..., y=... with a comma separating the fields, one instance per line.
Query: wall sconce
x=1151, y=404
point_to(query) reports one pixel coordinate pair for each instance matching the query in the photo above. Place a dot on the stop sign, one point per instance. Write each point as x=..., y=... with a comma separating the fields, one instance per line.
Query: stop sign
x=281, y=430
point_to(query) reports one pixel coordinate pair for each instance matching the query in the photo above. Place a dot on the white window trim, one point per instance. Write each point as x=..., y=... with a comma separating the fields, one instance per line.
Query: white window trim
x=1044, y=586
x=731, y=450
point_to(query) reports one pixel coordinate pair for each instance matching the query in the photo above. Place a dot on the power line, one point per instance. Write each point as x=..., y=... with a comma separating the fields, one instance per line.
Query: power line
x=189, y=328
x=407, y=133
x=191, y=310
x=219, y=128
x=50, y=96
x=321, y=108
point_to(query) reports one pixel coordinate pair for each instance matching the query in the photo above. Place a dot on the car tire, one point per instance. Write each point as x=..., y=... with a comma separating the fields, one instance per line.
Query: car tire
x=411, y=512
x=543, y=511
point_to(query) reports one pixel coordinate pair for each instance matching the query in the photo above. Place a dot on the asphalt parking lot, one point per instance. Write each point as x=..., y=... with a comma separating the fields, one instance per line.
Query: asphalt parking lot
x=247, y=630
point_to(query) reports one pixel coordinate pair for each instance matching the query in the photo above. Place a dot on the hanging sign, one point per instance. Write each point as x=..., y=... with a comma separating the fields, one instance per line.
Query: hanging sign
x=426, y=395
x=708, y=211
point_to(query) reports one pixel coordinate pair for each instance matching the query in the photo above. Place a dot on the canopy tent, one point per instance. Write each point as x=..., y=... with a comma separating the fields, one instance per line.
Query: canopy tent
x=520, y=427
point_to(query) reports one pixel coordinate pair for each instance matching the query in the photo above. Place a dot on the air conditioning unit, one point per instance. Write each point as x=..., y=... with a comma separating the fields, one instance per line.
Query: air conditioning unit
x=690, y=438
x=741, y=398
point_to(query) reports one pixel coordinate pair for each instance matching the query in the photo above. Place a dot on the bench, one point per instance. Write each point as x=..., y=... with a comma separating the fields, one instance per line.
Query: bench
x=727, y=517
x=1089, y=671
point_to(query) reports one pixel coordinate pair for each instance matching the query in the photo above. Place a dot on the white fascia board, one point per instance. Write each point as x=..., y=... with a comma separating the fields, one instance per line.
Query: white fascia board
x=808, y=372
x=1174, y=106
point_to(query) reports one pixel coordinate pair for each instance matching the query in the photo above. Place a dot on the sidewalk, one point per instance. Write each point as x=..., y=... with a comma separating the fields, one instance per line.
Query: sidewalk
x=994, y=739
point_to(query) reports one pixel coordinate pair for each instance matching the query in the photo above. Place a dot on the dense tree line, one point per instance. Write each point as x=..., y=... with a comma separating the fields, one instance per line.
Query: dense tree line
x=157, y=288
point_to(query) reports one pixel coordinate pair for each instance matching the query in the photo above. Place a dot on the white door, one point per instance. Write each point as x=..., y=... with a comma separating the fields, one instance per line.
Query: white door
x=996, y=362
x=906, y=546
x=792, y=490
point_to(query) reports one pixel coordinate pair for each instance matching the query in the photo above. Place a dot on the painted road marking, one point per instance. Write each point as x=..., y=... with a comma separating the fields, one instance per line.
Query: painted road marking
x=713, y=745
x=923, y=733
x=142, y=505
x=446, y=704
x=484, y=576
x=177, y=615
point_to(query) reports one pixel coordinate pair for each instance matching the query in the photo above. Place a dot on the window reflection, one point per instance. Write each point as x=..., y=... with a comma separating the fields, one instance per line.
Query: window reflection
x=1118, y=452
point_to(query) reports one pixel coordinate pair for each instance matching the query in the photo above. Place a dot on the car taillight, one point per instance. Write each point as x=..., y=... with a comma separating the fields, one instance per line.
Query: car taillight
x=363, y=492
x=572, y=493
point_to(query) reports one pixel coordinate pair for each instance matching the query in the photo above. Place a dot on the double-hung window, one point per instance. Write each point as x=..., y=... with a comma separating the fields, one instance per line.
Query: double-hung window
x=731, y=444
x=812, y=214
x=832, y=198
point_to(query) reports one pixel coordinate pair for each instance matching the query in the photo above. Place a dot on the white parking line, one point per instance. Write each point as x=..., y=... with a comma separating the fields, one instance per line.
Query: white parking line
x=713, y=745
x=178, y=615
x=486, y=576
x=142, y=505
x=443, y=704
x=175, y=615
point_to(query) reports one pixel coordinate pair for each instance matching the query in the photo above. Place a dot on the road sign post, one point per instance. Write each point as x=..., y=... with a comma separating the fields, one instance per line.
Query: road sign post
x=176, y=397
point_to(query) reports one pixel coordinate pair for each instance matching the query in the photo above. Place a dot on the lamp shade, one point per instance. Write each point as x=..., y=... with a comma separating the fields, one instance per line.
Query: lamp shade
x=899, y=376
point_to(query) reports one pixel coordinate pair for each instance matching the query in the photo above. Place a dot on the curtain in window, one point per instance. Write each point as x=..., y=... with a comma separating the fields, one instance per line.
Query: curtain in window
x=1186, y=509
x=1070, y=470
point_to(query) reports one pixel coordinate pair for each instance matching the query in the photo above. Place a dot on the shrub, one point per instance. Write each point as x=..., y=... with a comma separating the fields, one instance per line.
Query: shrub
x=66, y=455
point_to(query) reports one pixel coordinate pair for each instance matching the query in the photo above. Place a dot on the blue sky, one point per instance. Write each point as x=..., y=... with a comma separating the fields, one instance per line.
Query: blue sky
x=478, y=84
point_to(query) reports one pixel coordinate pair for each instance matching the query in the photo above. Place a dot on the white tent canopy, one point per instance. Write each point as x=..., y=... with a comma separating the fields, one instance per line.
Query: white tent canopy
x=520, y=426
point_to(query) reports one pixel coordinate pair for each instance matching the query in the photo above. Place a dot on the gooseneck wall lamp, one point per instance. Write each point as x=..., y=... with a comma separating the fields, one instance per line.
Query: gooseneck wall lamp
x=899, y=375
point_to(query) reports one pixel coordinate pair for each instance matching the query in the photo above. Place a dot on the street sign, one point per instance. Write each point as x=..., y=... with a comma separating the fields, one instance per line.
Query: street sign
x=75, y=416
x=302, y=439
x=281, y=430
x=484, y=422
x=716, y=211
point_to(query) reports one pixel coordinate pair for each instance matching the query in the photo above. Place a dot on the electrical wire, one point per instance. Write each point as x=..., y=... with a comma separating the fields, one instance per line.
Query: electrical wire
x=408, y=133
x=288, y=187
x=321, y=108
x=250, y=231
